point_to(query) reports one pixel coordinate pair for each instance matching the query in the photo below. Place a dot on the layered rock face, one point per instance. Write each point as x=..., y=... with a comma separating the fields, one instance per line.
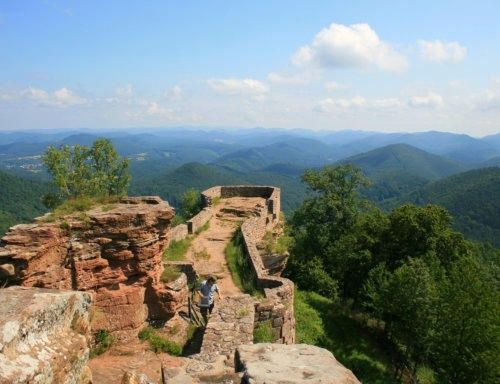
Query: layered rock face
x=43, y=336
x=296, y=363
x=114, y=252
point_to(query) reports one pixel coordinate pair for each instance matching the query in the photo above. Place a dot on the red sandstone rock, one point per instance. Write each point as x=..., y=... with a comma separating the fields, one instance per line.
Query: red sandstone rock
x=114, y=254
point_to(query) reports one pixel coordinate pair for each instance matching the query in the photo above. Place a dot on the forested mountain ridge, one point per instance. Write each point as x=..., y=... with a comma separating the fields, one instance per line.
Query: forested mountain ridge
x=472, y=197
x=20, y=200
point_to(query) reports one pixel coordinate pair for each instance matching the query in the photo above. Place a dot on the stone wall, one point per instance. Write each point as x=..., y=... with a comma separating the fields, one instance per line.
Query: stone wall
x=44, y=336
x=271, y=194
x=113, y=253
x=179, y=232
x=276, y=309
x=199, y=220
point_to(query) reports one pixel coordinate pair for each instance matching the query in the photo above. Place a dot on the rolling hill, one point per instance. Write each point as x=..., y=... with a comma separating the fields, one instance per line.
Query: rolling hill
x=20, y=200
x=400, y=168
x=472, y=197
x=302, y=152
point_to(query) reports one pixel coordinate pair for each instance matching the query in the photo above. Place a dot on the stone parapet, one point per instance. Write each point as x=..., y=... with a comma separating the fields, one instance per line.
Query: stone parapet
x=45, y=336
x=277, y=308
x=179, y=232
x=199, y=220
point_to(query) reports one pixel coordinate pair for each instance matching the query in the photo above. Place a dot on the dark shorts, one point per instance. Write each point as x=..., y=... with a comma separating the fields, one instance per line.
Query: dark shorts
x=207, y=310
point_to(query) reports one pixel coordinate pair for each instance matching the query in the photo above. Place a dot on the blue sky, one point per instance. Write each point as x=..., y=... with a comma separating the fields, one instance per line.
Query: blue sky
x=371, y=65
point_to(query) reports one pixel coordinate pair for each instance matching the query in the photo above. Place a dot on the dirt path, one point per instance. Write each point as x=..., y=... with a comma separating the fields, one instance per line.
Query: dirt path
x=207, y=253
x=207, y=249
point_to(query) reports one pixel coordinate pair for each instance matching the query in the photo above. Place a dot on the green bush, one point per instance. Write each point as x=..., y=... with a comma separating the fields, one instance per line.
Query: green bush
x=239, y=265
x=102, y=342
x=263, y=333
x=170, y=273
x=159, y=343
x=177, y=250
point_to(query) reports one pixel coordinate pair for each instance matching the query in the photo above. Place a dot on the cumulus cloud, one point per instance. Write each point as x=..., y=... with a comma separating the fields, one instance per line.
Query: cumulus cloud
x=125, y=91
x=60, y=98
x=440, y=51
x=153, y=108
x=329, y=103
x=332, y=86
x=174, y=93
x=298, y=79
x=238, y=86
x=488, y=101
x=430, y=100
x=356, y=45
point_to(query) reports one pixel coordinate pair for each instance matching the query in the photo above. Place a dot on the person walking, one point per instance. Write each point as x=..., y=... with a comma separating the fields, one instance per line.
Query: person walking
x=207, y=292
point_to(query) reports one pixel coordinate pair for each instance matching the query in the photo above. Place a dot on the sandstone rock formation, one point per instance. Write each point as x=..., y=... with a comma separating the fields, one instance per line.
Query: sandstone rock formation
x=43, y=336
x=296, y=363
x=114, y=252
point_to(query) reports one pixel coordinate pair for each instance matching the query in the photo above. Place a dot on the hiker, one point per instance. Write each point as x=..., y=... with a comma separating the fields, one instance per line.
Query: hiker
x=207, y=291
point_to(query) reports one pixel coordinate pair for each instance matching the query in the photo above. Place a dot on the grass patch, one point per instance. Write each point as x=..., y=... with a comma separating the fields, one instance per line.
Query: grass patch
x=239, y=266
x=203, y=228
x=159, y=343
x=201, y=255
x=80, y=204
x=103, y=341
x=277, y=245
x=320, y=322
x=170, y=273
x=216, y=200
x=177, y=250
x=263, y=332
x=178, y=219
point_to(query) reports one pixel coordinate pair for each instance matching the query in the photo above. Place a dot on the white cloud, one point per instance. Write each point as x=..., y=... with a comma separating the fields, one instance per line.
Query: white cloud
x=391, y=102
x=174, y=93
x=238, y=86
x=357, y=45
x=153, y=108
x=332, y=86
x=488, y=101
x=298, y=79
x=440, y=51
x=125, y=91
x=430, y=100
x=329, y=103
x=60, y=98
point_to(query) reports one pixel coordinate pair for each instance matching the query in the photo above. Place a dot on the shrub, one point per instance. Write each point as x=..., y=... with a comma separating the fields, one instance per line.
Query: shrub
x=159, y=343
x=263, y=333
x=102, y=342
x=176, y=250
x=170, y=273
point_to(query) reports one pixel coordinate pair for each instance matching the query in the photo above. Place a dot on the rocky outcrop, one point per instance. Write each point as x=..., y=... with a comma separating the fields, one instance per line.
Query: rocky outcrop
x=44, y=336
x=297, y=363
x=113, y=252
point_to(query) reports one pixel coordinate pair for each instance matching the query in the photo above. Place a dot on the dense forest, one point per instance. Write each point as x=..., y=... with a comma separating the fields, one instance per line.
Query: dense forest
x=431, y=295
x=20, y=200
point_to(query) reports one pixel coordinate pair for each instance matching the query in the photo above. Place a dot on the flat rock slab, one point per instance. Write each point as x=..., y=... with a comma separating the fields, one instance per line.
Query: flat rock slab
x=296, y=363
x=43, y=336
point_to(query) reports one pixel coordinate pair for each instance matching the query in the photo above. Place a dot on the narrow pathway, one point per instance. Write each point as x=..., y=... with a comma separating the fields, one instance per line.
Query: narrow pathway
x=207, y=249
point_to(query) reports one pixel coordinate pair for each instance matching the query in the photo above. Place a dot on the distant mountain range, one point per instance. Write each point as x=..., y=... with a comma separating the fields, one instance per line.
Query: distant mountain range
x=401, y=167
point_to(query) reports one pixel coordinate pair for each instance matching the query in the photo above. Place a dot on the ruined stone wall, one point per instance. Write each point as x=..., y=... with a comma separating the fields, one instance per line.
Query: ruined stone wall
x=271, y=194
x=277, y=307
x=114, y=254
x=199, y=220
x=179, y=232
x=44, y=336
